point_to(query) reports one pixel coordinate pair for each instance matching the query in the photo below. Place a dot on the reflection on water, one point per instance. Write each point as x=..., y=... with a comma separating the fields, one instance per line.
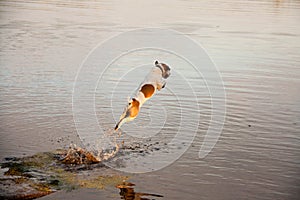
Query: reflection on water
x=255, y=45
x=127, y=193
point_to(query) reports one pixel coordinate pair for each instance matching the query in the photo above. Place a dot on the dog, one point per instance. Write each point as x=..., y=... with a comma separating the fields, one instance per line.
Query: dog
x=154, y=81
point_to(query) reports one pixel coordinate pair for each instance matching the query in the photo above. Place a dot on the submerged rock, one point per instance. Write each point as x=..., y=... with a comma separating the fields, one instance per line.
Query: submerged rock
x=44, y=173
x=127, y=192
x=22, y=188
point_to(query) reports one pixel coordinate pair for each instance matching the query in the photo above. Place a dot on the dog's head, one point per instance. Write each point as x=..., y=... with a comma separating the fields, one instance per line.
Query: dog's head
x=130, y=112
x=165, y=69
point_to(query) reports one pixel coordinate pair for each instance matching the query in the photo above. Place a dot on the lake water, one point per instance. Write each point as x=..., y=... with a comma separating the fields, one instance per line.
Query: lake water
x=255, y=45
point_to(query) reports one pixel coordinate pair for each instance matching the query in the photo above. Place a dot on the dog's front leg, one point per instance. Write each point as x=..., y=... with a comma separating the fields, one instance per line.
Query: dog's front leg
x=164, y=84
x=161, y=84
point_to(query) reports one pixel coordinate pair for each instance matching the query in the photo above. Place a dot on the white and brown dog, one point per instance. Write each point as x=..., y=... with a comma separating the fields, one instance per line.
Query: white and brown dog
x=155, y=80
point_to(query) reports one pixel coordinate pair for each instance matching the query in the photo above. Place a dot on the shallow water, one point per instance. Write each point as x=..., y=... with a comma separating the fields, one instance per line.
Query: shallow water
x=255, y=45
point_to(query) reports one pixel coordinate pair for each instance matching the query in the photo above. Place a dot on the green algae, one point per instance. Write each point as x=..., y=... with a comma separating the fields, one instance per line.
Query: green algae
x=99, y=182
x=39, y=160
x=42, y=187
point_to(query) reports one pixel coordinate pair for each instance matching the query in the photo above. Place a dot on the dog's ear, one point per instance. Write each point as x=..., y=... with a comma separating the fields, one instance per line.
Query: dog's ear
x=156, y=62
x=166, y=67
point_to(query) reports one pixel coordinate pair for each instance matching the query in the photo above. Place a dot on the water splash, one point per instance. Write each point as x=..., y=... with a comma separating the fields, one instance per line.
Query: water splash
x=77, y=155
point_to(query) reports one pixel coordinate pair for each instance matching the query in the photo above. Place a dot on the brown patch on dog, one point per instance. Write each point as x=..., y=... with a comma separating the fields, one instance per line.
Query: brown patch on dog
x=134, y=110
x=147, y=90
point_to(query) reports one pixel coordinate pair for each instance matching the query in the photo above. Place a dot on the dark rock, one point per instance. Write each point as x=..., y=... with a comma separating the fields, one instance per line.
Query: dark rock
x=10, y=158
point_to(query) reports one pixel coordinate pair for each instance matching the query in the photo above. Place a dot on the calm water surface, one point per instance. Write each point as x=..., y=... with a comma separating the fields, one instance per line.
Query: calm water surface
x=255, y=45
